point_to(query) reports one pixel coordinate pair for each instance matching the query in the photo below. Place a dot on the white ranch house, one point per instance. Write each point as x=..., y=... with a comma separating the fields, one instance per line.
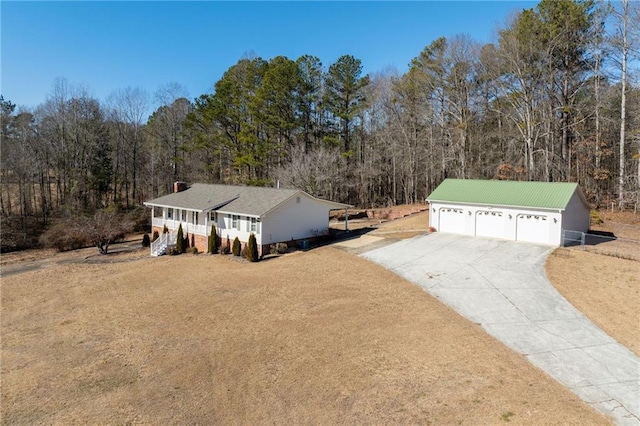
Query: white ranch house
x=536, y=212
x=273, y=215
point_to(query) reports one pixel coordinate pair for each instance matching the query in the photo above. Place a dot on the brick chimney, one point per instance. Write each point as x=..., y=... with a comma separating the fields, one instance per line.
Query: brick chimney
x=179, y=186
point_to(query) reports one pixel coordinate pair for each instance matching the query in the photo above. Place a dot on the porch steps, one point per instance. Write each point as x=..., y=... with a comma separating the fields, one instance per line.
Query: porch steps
x=162, y=243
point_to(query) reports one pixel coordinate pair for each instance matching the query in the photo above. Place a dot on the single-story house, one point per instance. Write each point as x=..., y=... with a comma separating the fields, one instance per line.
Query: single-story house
x=536, y=212
x=273, y=215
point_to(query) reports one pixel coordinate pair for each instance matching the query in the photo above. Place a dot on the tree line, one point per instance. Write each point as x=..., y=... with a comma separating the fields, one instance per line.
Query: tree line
x=555, y=98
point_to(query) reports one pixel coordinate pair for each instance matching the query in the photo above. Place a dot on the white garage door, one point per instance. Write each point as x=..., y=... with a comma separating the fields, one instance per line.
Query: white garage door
x=533, y=228
x=451, y=220
x=489, y=224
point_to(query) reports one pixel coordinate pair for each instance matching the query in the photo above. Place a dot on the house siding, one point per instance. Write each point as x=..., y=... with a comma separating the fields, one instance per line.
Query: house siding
x=576, y=216
x=226, y=229
x=295, y=221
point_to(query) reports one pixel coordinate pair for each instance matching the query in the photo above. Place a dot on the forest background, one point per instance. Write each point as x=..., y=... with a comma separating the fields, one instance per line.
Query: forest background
x=555, y=98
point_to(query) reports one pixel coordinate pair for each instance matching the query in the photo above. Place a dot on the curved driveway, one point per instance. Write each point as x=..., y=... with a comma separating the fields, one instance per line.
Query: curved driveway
x=502, y=286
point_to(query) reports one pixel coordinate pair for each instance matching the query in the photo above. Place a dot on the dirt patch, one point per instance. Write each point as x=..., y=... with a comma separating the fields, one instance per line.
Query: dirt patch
x=316, y=337
x=604, y=288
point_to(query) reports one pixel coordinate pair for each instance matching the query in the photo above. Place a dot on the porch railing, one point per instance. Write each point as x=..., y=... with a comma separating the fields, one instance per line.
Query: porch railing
x=162, y=243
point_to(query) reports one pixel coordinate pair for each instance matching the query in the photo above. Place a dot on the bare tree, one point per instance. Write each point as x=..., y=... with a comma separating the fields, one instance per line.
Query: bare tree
x=129, y=107
x=317, y=172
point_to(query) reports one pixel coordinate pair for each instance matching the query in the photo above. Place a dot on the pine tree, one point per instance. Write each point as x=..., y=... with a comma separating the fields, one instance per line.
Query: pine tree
x=155, y=235
x=180, y=241
x=146, y=241
x=252, y=249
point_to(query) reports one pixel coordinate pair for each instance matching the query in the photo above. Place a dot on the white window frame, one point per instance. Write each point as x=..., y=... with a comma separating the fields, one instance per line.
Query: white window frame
x=170, y=214
x=213, y=216
x=235, y=222
x=195, y=218
x=255, y=225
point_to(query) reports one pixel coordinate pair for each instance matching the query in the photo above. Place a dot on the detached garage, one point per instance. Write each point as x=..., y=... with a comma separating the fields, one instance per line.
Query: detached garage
x=534, y=212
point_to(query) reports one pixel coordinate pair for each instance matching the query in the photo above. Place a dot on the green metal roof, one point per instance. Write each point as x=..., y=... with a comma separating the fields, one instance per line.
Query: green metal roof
x=544, y=195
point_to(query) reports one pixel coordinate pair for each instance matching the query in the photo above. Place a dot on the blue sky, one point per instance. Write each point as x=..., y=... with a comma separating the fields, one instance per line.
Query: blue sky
x=105, y=46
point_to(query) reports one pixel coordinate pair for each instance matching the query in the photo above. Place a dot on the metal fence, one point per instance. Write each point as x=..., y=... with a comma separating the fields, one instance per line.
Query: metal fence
x=601, y=242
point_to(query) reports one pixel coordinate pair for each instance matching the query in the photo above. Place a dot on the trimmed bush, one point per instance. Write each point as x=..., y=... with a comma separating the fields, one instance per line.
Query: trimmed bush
x=155, y=235
x=165, y=230
x=216, y=240
x=180, y=241
x=213, y=242
x=252, y=249
x=193, y=250
x=146, y=241
x=227, y=247
x=237, y=248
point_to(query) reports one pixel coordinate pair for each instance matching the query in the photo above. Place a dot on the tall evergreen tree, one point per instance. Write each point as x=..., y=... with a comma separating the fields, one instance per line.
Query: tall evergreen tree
x=345, y=96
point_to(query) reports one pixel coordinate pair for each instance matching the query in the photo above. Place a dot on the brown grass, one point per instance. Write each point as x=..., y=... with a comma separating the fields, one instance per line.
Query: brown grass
x=604, y=288
x=318, y=337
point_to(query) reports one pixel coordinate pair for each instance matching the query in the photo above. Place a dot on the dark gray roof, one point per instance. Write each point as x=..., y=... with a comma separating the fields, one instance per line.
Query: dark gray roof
x=251, y=200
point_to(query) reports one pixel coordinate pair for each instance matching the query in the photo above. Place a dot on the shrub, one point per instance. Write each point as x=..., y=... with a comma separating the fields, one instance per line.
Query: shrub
x=155, y=235
x=596, y=218
x=236, y=247
x=211, y=239
x=19, y=233
x=165, y=230
x=63, y=237
x=180, y=241
x=193, y=250
x=279, y=248
x=146, y=241
x=216, y=239
x=227, y=247
x=252, y=249
x=139, y=218
x=102, y=229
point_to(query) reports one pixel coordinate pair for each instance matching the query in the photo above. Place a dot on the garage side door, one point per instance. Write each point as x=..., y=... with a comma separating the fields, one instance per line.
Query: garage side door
x=532, y=228
x=489, y=224
x=451, y=220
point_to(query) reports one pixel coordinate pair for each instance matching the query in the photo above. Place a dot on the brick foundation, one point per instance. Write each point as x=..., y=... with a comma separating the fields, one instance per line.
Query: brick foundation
x=201, y=242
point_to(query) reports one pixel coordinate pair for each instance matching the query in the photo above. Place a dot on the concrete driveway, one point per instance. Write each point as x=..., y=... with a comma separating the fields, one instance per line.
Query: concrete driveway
x=502, y=286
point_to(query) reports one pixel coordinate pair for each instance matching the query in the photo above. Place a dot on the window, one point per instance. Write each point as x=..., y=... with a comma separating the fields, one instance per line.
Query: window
x=235, y=222
x=183, y=215
x=255, y=225
x=195, y=218
x=169, y=213
x=157, y=211
x=213, y=216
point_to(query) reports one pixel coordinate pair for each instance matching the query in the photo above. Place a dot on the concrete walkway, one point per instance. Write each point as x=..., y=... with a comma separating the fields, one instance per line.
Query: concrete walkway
x=502, y=286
